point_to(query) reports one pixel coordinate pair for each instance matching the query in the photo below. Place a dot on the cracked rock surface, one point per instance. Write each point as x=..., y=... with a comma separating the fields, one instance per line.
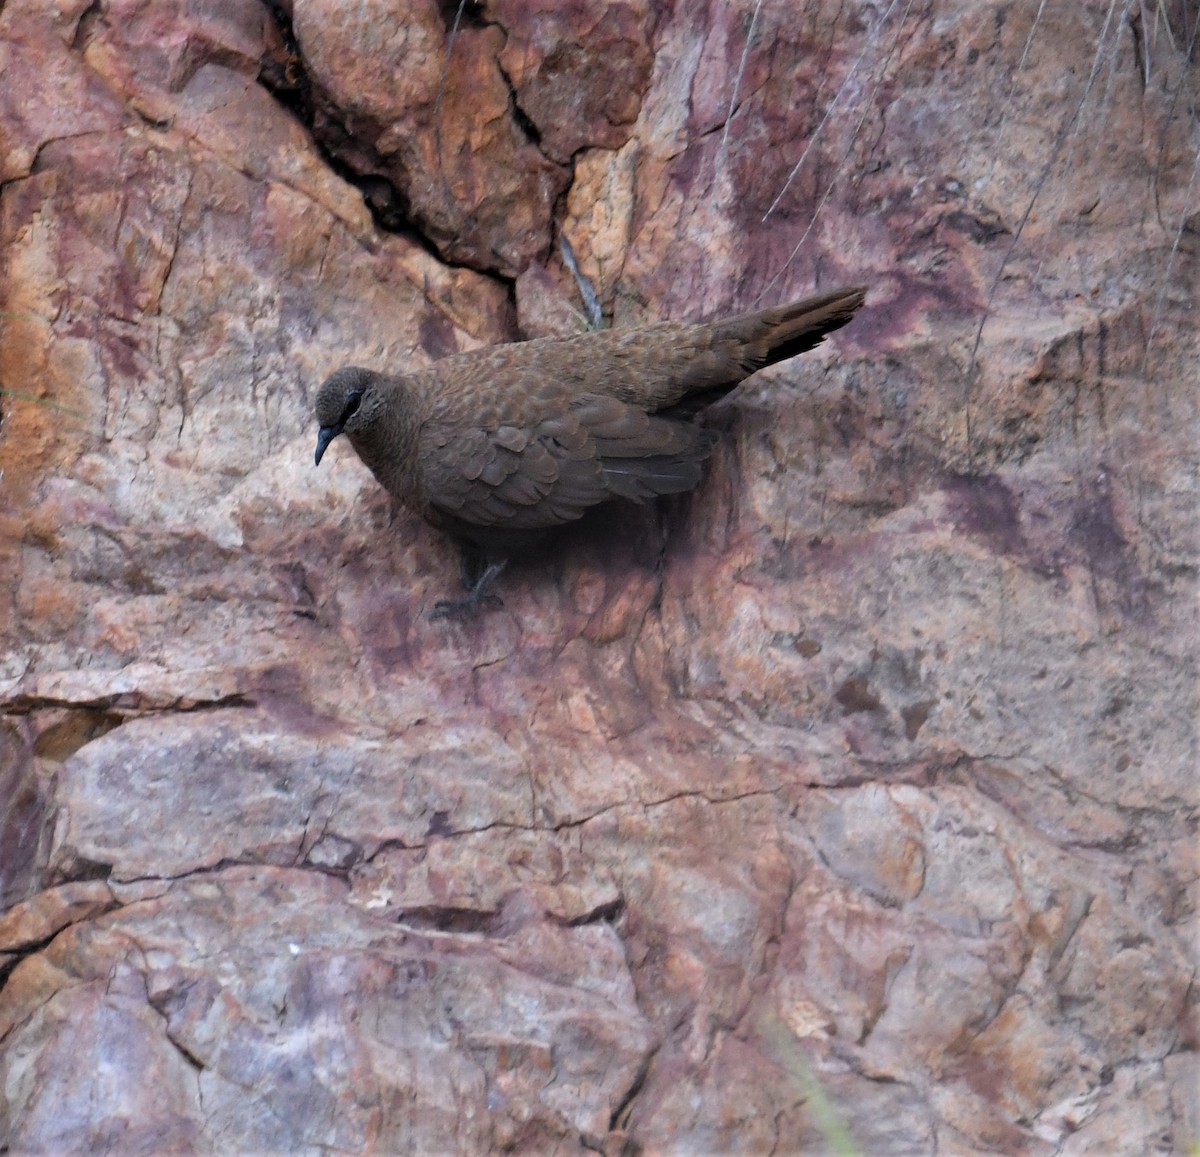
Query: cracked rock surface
x=851, y=799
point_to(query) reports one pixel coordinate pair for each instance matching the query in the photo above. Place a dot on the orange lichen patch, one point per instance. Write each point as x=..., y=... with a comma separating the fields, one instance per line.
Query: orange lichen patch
x=55, y=608
x=48, y=399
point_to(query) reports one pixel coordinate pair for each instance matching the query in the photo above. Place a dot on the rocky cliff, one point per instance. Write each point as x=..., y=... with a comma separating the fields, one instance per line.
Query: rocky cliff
x=847, y=804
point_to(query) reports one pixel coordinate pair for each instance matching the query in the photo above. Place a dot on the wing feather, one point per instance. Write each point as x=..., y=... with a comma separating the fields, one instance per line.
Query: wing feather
x=551, y=469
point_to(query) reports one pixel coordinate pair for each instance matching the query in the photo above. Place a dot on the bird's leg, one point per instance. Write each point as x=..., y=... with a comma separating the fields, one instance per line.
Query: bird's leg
x=471, y=561
x=478, y=574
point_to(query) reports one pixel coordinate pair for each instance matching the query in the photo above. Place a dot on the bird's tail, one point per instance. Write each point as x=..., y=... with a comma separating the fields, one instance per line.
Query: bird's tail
x=772, y=335
x=677, y=369
x=723, y=353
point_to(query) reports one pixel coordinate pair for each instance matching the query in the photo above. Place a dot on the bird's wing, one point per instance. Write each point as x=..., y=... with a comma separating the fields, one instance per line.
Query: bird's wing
x=551, y=467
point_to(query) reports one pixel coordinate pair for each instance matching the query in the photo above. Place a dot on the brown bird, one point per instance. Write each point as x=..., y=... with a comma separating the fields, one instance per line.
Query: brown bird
x=497, y=446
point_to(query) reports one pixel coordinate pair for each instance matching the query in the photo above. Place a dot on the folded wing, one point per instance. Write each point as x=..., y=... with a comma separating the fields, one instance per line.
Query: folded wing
x=550, y=469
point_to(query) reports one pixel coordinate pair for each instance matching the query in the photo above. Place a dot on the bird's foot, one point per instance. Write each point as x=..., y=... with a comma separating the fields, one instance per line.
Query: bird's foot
x=477, y=596
x=462, y=609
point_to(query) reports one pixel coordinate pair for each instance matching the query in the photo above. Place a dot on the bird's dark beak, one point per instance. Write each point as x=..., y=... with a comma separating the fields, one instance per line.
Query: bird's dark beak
x=325, y=435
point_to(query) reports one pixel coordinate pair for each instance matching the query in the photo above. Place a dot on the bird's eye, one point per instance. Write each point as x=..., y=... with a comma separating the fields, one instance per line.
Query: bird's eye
x=351, y=406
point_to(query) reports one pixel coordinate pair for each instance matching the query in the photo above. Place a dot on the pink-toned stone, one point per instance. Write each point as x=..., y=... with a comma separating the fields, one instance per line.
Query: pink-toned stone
x=23, y=800
x=46, y=95
x=479, y=1041
x=546, y=307
x=845, y=803
x=393, y=103
x=52, y=910
x=474, y=122
x=578, y=71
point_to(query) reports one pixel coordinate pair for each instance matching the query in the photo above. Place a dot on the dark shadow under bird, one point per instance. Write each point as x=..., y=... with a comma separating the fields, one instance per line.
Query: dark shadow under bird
x=498, y=446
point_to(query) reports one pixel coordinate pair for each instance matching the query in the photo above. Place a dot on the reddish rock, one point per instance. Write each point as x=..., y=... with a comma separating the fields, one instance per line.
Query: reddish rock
x=359, y=1033
x=399, y=103
x=466, y=121
x=578, y=71
x=52, y=910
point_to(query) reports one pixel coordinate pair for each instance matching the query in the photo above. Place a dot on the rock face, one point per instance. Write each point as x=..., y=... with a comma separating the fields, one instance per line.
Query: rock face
x=849, y=801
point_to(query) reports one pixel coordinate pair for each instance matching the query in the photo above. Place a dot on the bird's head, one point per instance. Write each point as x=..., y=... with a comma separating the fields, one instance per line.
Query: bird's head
x=350, y=401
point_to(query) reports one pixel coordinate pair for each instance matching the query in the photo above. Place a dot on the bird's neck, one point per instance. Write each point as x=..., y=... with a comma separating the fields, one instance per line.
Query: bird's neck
x=388, y=445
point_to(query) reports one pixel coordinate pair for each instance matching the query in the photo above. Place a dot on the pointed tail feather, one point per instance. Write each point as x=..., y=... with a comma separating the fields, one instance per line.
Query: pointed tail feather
x=677, y=369
x=773, y=335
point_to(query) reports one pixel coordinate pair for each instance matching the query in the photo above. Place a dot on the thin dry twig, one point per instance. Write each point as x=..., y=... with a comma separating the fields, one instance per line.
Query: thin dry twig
x=737, y=80
x=1068, y=130
x=868, y=105
x=837, y=96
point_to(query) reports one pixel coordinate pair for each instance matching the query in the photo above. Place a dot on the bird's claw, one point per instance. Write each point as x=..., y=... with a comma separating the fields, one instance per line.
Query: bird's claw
x=477, y=596
x=460, y=610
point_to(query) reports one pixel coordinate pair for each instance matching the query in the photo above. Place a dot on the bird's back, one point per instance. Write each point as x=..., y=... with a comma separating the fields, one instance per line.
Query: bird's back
x=651, y=368
x=654, y=367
